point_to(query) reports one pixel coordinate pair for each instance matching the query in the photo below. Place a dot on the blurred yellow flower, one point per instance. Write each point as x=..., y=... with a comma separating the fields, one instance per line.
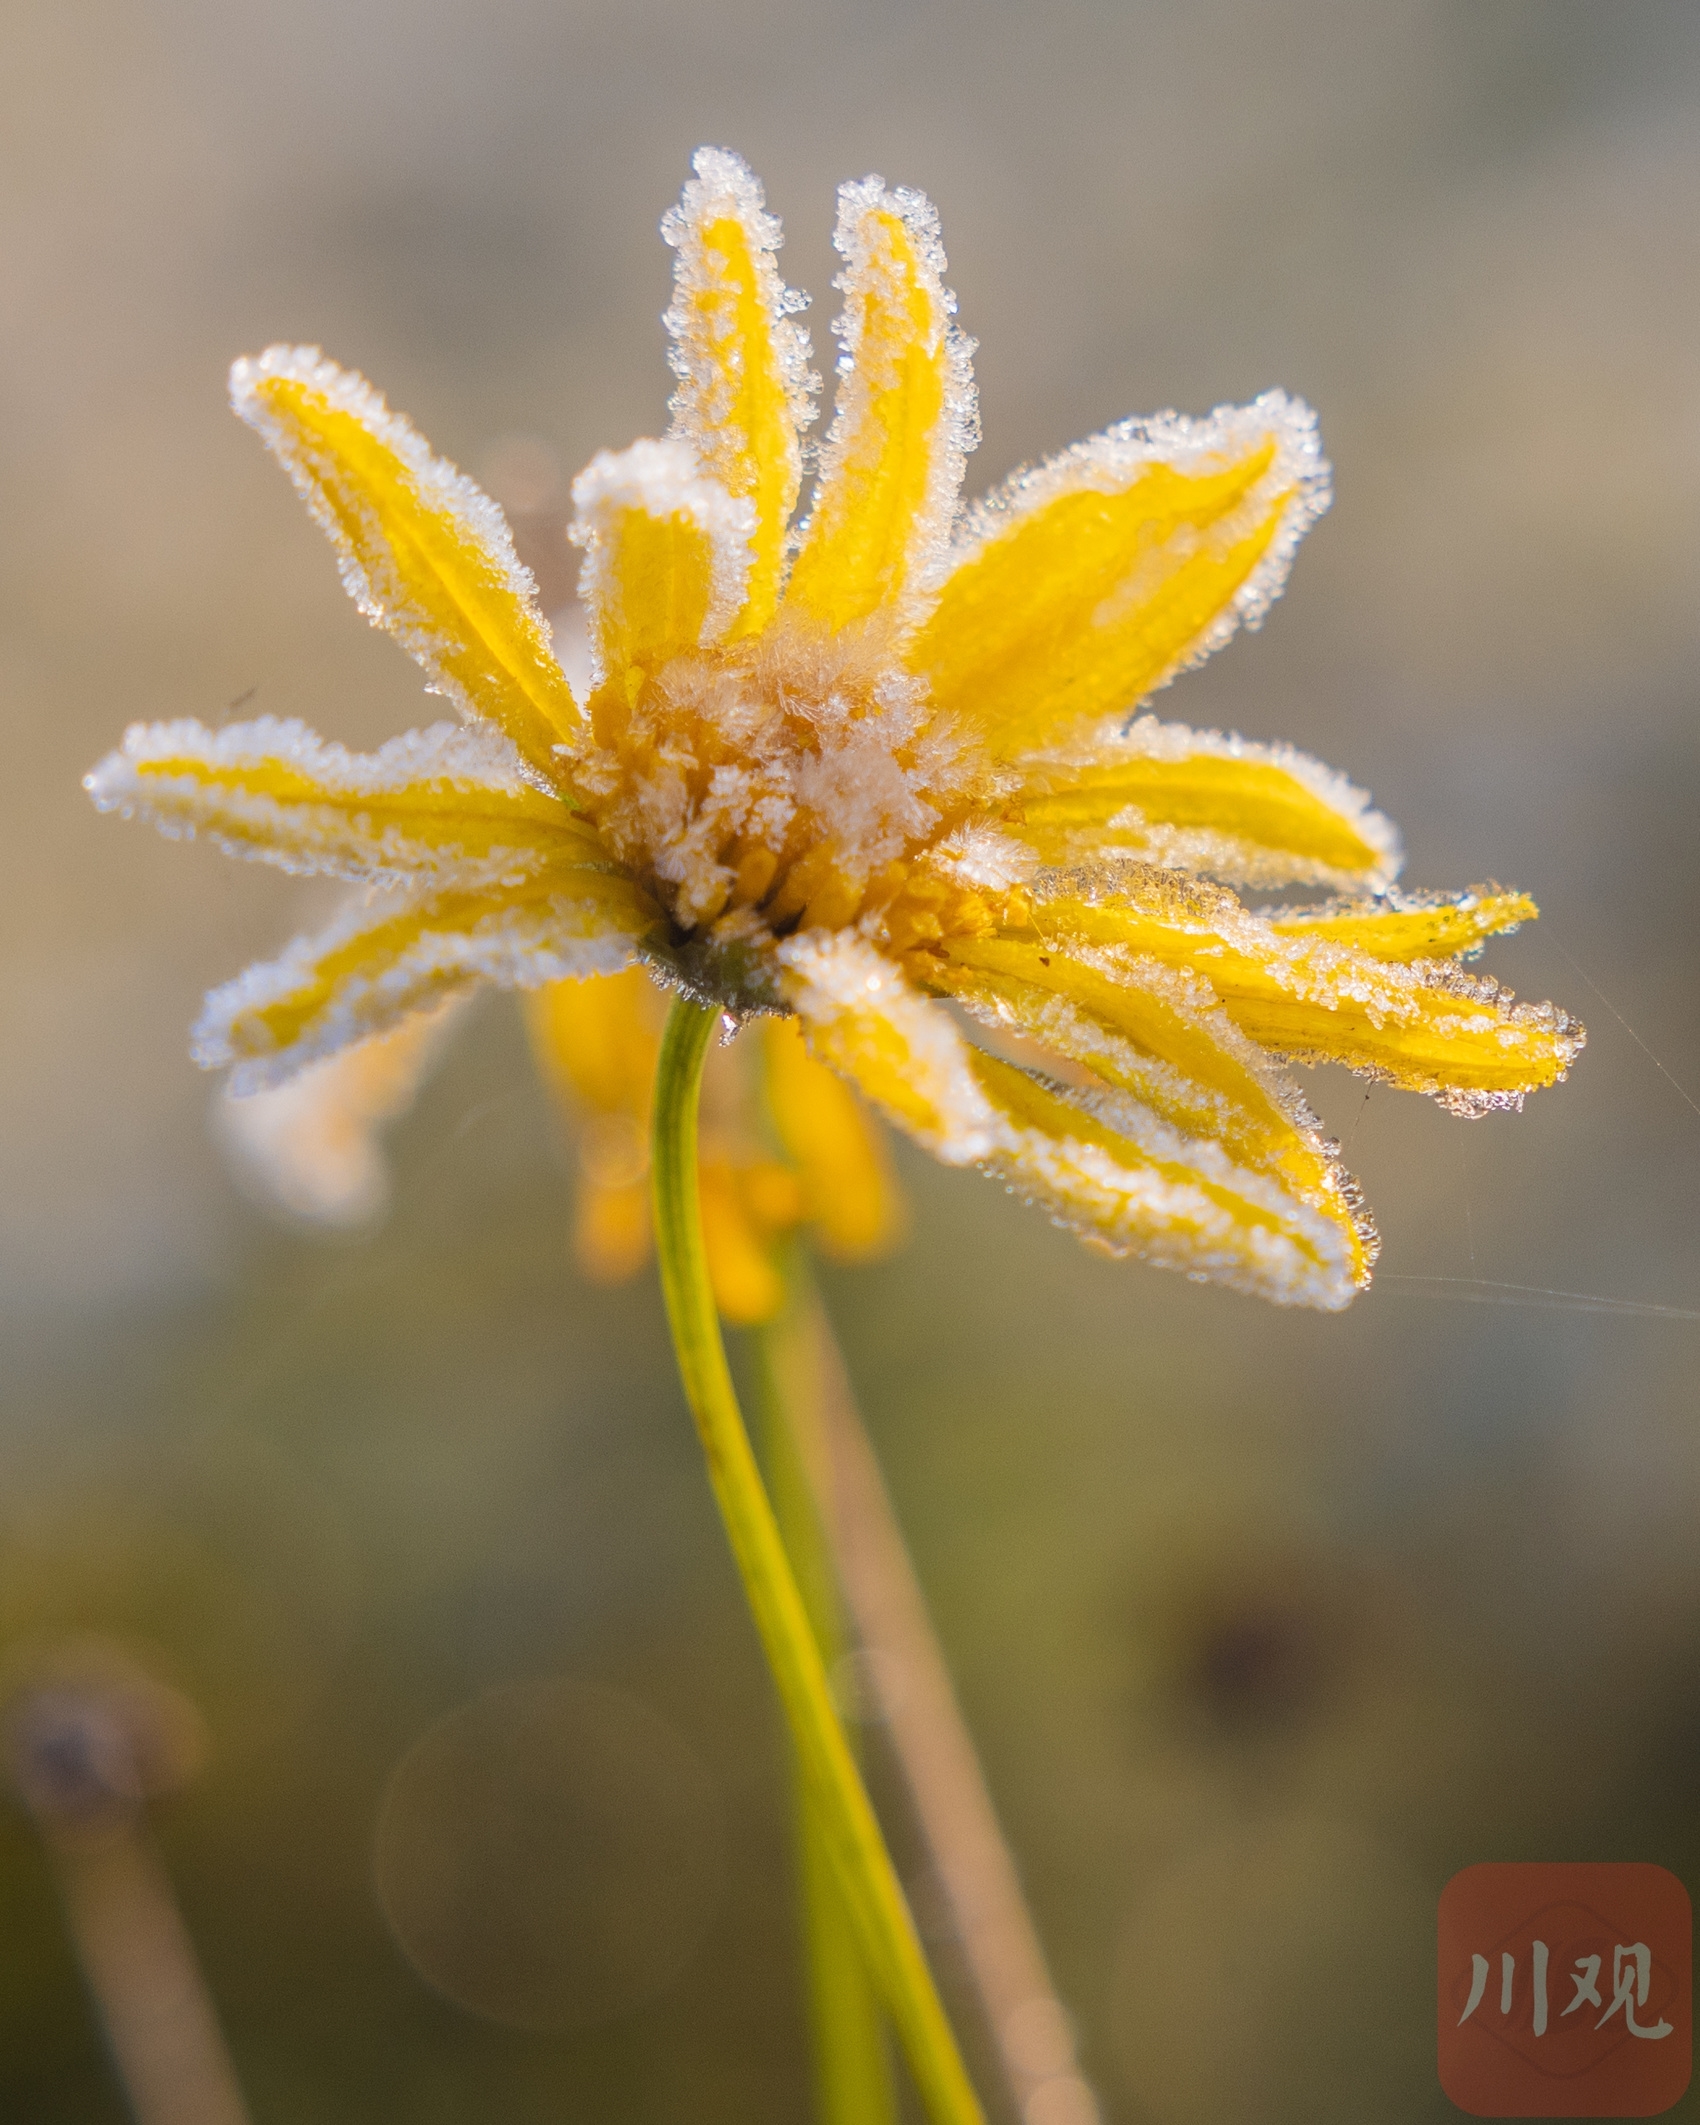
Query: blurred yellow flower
x=861, y=770
x=813, y=1159
x=785, y=1145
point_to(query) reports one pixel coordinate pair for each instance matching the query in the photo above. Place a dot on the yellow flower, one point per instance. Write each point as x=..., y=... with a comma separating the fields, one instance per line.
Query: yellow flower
x=863, y=770
x=818, y=1163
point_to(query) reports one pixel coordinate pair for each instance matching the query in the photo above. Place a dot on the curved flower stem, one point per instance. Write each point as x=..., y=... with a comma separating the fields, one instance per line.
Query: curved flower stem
x=884, y=1926
x=852, y=2069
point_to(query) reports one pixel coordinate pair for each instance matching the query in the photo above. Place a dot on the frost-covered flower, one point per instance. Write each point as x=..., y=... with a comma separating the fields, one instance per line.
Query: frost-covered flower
x=859, y=771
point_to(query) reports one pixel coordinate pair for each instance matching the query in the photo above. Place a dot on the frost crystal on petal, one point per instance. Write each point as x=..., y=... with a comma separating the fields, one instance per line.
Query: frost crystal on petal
x=1085, y=583
x=904, y=419
x=706, y=355
x=452, y=805
x=311, y=1148
x=1112, y=462
x=439, y=484
x=860, y=1015
x=1133, y=1186
x=870, y=276
x=372, y=967
x=618, y=497
x=984, y=856
x=1224, y=806
x=425, y=554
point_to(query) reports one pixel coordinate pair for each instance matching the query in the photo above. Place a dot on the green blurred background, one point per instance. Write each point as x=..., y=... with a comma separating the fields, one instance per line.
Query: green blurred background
x=1266, y=1624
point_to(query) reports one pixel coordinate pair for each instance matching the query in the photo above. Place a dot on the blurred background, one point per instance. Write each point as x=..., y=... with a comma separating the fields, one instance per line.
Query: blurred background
x=1265, y=1624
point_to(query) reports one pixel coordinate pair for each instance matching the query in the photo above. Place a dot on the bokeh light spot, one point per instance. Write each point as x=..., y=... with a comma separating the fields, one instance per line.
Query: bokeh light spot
x=549, y=1855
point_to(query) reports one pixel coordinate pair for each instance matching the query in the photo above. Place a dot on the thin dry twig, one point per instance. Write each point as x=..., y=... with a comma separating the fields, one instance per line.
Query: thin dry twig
x=1029, y=2024
x=89, y=1742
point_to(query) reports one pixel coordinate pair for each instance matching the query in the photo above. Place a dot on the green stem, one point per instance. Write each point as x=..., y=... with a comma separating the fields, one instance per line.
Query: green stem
x=852, y=2071
x=884, y=1926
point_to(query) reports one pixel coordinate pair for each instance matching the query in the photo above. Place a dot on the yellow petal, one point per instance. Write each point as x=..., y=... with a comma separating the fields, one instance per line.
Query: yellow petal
x=850, y=1193
x=1161, y=1035
x=596, y=1040
x=1196, y=801
x=1101, y=1164
x=1428, y=1027
x=1412, y=927
x=372, y=967
x=745, y=387
x=1134, y=1188
x=611, y=1235
x=424, y=553
x=667, y=559
x=861, y=1017
x=449, y=807
x=312, y=1148
x=904, y=418
x=747, y=1284
x=1087, y=582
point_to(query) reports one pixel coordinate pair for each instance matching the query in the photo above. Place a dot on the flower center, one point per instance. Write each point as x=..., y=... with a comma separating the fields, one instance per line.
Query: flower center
x=794, y=774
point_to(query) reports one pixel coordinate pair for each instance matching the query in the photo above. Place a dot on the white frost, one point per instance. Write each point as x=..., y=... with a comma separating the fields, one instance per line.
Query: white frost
x=702, y=356
x=869, y=270
x=1162, y=1203
x=1110, y=463
x=852, y=1000
x=371, y=578
x=350, y=821
x=662, y=480
x=1217, y=852
x=540, y=938
x=981, y=855
x=1161, y=1200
